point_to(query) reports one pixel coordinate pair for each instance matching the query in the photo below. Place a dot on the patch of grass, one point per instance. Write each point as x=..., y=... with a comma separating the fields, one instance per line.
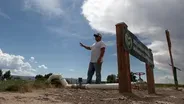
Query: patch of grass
x=166, y=85
x=13, y=88
x=26, y=86
x=12, y=85
x=40, y=84
x=15, y=85
x=19, y=88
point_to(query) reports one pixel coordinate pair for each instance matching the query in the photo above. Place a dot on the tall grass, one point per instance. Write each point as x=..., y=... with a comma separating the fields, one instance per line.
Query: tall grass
x=29, y=85
x=5, y=85
x=167, y=85
x=24, y=85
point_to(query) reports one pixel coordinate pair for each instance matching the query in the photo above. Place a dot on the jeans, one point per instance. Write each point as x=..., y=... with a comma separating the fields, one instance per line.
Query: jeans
x=92, y=68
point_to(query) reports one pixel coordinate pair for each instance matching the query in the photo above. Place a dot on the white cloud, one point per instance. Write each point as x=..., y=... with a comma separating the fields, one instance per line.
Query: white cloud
x=115, y=54
x=165, y=79
x=32, y=59
x=110, y=43
x=64, y=31
x=23, y=72
x=72, y=70
x=44, y=7
x=16, y=64
x=42, y=66
x=4, y=15
x=147, y=19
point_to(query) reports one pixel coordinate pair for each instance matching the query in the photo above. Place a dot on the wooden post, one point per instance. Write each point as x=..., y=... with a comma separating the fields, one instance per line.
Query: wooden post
x=123, y=60
x=150, y=79
x=172, y=63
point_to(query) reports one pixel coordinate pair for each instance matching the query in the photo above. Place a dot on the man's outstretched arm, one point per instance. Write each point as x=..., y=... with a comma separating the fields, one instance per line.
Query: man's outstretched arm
x=86, y=47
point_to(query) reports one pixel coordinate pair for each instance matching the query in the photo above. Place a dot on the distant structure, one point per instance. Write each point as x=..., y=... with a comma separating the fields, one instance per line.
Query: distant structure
x=139, y=73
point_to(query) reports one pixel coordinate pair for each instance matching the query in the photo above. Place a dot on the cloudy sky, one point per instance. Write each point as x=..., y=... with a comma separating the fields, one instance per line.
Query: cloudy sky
x=42, y=36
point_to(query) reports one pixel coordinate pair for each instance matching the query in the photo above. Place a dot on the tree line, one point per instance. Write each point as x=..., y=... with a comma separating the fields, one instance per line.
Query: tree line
x=6, y=75
x=110, y=78
x=42, y=77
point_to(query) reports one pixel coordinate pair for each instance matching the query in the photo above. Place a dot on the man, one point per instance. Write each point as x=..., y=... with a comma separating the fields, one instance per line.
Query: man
x=97, y=54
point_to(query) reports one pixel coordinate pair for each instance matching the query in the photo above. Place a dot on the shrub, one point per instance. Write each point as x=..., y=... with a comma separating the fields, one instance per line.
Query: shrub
x=56, y=83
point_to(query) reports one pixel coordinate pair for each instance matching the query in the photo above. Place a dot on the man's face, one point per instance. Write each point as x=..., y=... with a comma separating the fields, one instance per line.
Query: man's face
x=97, y=38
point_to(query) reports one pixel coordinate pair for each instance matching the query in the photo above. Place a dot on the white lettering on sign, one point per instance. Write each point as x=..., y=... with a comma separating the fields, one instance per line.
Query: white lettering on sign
x=142, y=51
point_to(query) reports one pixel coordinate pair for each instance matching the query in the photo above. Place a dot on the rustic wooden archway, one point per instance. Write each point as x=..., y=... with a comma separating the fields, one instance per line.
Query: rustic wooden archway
x=128, y=43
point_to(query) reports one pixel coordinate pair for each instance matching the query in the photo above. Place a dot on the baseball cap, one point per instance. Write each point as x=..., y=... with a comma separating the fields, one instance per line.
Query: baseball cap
x=97, y=35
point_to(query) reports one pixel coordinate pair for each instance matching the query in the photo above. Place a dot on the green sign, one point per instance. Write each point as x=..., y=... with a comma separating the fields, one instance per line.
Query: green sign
x=137, y=48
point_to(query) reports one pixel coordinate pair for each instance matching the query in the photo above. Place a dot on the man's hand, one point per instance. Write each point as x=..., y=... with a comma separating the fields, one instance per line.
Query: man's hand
x=82, y=45
x=87, y=47
x=99, y=60
x=101, y=55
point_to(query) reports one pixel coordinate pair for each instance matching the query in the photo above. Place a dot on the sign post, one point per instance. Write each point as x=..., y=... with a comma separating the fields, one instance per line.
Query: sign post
x=150, y=79
x=172, y=63
x=123, y=60
x=128, y=43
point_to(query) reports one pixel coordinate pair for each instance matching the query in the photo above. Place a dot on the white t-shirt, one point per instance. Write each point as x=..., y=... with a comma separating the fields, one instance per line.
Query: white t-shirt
x=96, y=50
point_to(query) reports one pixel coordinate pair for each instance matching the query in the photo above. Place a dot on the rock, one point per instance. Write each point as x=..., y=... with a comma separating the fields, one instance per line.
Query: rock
x=120, y=98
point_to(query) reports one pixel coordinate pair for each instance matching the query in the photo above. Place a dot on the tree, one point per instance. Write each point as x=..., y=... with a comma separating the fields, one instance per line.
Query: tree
x=133, y=77
x=7, y=75
x=47, y=75
x=111, y=78
x=39, y=76
x=1, y=73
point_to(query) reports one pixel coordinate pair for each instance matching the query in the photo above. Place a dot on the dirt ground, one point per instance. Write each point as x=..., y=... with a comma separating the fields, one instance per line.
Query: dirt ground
x=83, y=96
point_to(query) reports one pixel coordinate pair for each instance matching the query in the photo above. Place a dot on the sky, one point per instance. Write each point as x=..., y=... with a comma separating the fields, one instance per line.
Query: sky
x=42, y=36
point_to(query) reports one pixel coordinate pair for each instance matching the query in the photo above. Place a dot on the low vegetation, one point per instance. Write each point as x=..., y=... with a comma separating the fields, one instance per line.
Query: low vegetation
x=19, y=85
x=166, y=85
x=114, y=79
x=27, y=86
x=7, y=83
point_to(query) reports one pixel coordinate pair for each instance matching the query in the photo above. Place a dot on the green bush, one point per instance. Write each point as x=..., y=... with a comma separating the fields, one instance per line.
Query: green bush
x=19, y=85
x=56, y=83
x=13, y=88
